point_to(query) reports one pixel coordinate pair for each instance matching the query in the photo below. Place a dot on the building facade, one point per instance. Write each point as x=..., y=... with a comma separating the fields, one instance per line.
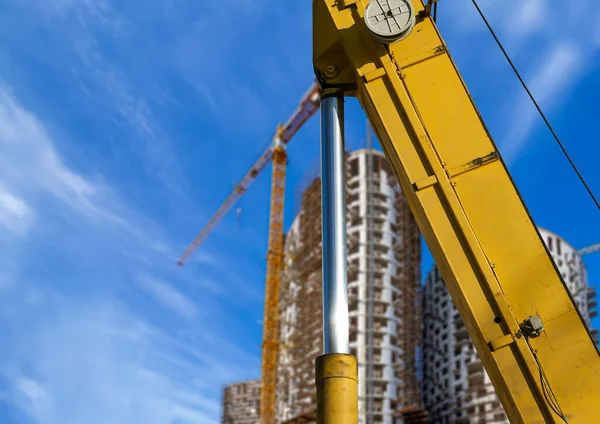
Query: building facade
x=383, y=282
x=456, y=388
x=241, y=403
x=570, y=265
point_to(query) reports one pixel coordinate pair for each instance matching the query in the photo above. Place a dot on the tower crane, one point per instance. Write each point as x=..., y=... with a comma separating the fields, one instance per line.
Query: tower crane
x=276, y=154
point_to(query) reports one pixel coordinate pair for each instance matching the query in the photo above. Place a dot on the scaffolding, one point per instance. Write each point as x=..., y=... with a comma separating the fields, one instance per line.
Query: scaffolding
x=414, y=415
x=308, y=341
x=301, y=293
x=407, y=251
x=310, y=418
x=385, y=233
x=370, y=280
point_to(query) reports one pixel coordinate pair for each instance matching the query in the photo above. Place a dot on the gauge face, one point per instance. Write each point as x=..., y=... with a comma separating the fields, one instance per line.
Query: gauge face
x=390, y=20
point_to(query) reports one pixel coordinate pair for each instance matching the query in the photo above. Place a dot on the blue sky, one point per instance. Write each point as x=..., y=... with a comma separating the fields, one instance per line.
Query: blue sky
x=123, y=126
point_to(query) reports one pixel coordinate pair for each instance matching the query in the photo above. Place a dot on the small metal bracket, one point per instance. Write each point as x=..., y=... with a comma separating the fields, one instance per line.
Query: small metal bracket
x=501, y=342
x=427, y=182
x=425, y=13
x=532, y=327
x=373, y=75
x=347, y=3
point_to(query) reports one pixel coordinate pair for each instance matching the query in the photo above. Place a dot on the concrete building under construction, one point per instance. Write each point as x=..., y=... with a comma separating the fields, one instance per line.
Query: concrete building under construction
x=241, y=403
x=383, y=282
x=456, y=387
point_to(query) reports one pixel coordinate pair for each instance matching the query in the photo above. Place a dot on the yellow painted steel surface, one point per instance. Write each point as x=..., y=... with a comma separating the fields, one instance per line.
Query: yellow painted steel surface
x=489, y=252
x=337, y=389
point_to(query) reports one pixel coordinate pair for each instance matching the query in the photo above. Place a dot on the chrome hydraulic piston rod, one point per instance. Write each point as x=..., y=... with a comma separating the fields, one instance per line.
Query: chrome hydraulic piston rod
x=333, y=208
x=336, y=370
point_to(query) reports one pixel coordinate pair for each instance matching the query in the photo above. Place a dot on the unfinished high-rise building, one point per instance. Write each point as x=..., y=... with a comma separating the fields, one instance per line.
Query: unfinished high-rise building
x=383, y=281
x=456, y=387
x=570, y=265
x=241, y=403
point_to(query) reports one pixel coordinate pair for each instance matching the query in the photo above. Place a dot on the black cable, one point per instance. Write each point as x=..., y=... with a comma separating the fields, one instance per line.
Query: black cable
x=546, y=389
x=589, y=190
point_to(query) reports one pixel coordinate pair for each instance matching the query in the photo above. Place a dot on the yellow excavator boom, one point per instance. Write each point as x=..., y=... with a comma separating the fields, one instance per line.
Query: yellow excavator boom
x=526, y=328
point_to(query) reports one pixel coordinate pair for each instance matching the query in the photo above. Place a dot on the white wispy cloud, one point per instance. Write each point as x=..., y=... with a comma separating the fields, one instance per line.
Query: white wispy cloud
x=15, y=214
x=94, y=350
x=33, y=397
x=559, y=69
x=151, y=140
x=166, y=295
x=29, y=158
x=81, y=29
x=530, y=15
x=555, y=76
x=238, y=81
x=96, y=363
x=80, y=360
x=30, y=163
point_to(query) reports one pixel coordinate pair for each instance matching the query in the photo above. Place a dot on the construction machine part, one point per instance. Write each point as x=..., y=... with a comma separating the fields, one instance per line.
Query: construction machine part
x=480, y=234
x=391, y=20
x=333, y=173
x=337, y=389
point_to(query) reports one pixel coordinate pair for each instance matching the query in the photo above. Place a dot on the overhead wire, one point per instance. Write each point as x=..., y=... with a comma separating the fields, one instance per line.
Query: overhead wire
x=546, y=388
x=537, y=106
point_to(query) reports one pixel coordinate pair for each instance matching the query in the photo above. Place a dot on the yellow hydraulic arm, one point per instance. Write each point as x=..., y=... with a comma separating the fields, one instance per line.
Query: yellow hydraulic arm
x=530, y=336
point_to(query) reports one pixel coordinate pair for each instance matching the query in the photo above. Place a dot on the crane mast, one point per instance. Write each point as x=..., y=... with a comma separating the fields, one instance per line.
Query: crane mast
x=270, y=344
x=534, y=344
